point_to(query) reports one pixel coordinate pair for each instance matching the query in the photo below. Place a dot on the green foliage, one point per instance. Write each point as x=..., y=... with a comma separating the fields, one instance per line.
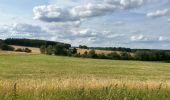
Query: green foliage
x=43, y=49
x=23, y=50
x=125, y=56
x=6, y=47
x=83, y=47
x=50, y=50
x=31, y=42
x=60, y=49
x=74, y=51
x=92, y=54
x=114, y=55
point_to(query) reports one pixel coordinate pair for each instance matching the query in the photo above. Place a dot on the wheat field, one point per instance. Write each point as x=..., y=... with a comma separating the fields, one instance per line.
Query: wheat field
x=42, y=77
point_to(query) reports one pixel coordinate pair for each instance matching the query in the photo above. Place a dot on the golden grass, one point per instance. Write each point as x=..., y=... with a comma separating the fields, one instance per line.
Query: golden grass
x=34, y=50
x=81, y=51
x=70, y=83
x=11, y=53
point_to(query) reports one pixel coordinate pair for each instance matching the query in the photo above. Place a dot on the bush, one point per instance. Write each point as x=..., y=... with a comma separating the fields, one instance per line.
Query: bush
x=43, y=49
x=125, y=56
x=92, y=54
x=114, y=55
x=27, y=50
x=6, y=47
x=19, y=50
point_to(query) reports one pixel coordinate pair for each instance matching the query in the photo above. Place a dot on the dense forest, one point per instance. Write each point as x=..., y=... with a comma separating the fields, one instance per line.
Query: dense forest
x=31, y=42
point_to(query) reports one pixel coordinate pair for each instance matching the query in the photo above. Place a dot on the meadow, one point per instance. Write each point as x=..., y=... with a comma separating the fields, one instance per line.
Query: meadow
x=42, y=77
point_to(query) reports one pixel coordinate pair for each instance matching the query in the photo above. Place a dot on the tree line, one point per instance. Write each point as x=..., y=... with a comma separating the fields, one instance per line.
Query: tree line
x=138, y=55
x=30, y=42
x=4, y=46
x=142, y=55
x=58, y=48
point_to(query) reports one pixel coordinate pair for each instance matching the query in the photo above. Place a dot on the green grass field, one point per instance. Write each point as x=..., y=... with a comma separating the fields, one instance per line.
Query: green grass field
x=42, y=77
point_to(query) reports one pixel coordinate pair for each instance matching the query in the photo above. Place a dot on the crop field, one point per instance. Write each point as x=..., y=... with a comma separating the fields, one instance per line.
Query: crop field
x=42, y=77
x=82, y=51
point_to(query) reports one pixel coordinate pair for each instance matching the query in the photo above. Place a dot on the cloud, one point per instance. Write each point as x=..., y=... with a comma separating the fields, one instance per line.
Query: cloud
x=54, y=13
x=158, y=13
x=126, y=4
x=164, y=38
x=169, y=20
x=137, y=37
x=144, y=38
x=21, y=30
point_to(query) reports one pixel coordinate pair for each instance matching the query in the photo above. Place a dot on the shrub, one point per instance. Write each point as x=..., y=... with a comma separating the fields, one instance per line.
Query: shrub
x=27, y=50
x=114, y=55
x=6, y=47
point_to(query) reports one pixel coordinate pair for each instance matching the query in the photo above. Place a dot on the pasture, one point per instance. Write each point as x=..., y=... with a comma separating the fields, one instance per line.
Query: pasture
x=42, y=77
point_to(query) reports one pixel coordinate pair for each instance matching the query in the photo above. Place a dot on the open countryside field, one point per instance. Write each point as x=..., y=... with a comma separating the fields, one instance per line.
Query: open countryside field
x=42, y=77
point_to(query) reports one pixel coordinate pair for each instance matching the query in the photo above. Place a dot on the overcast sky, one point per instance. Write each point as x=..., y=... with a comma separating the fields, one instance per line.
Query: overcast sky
x=125, y=23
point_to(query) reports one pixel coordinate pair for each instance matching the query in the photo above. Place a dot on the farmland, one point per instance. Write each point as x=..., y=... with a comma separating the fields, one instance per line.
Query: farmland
x=42, y=77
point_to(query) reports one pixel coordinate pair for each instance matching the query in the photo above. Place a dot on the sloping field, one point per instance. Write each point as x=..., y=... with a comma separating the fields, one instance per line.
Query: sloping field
x=43, y=66
x=42, y=77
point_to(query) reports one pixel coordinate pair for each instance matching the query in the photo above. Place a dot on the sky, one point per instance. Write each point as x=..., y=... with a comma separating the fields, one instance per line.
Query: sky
x=143, y=24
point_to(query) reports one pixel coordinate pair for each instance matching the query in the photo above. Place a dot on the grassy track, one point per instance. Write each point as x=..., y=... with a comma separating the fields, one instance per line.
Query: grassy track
x=42, y=77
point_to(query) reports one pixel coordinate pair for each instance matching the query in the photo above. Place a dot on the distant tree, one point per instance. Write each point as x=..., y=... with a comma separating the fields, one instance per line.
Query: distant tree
x=114, y=55
x=92, y=54
x=125, y=56
x=43, y=49
x=6, y=47
x=19, y=50
x=60, y=49
x=102, y=56
x=83, y=47
x=85, y=53
x=27, y=50
x=50, y=50
x=74, y=51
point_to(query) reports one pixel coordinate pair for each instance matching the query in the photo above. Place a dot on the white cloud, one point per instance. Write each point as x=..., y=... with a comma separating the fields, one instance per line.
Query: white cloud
x=137, y=37
x=54, y=13
x=164, y=38
x=126, y=4
x=169, y=20
x=158, y=13
x=22, y=31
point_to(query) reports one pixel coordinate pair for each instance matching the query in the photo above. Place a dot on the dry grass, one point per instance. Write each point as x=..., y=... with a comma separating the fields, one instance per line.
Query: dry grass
x=11, y=53
x=70, y=83
x=81, y=51
x=34, y=50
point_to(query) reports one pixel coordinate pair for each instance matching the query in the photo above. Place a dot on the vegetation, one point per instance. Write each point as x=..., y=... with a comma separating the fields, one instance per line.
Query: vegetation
x=23, y=50
x=30, y=42
x=43, y=77
x=6, y=47
x=83, y=47
x=138, y=55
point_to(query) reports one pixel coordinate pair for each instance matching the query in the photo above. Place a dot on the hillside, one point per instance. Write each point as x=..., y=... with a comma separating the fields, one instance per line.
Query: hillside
x=42, y=77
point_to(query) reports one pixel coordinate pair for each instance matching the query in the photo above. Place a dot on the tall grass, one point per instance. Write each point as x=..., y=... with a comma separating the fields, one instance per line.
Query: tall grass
x=83, y=89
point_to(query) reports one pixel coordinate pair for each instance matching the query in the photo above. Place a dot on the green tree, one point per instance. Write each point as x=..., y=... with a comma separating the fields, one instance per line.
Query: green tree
x=50, y=50
x=92, y=54
x=43, y=49
x=114, y=55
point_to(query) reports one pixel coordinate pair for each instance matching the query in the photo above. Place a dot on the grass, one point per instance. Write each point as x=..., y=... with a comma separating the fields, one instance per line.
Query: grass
x=42, y=77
